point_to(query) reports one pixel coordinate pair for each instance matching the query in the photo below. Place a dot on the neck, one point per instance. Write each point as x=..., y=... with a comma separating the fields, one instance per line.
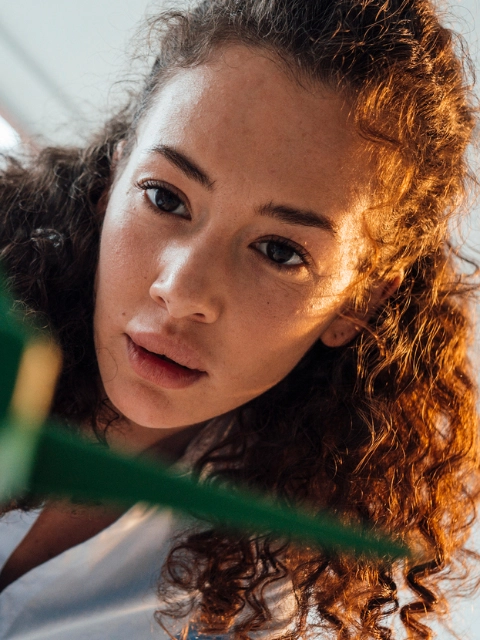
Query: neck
x=129, y=438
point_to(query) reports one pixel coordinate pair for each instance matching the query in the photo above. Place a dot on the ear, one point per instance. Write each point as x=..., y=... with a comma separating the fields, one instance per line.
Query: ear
x=116, y=157
x=345, y=327
x=117, y=154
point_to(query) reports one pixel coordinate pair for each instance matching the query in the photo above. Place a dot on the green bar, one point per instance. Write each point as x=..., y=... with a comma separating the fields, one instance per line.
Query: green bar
x=13, y=338
x=17, y=452
x=11, y=349
x=68, y=466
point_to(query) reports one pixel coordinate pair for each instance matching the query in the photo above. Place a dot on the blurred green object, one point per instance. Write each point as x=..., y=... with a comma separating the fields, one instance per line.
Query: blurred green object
x=12, y=342
x=18, y=449
x=66, y=466
x=30, y=364
x=48, y=461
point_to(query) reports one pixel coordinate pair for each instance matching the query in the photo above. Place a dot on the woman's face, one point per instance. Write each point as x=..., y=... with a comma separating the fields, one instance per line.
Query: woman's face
x=230, y=239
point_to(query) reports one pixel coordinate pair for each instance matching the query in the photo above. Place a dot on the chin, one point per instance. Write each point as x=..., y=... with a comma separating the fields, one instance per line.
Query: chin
x=152, y=409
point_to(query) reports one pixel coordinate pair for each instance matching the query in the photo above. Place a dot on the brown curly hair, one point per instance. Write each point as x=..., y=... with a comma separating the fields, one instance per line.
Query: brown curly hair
x=381, y=431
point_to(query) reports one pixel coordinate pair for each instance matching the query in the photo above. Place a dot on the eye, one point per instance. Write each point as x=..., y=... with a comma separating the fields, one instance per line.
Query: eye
x=165, y=199
x=282, y=253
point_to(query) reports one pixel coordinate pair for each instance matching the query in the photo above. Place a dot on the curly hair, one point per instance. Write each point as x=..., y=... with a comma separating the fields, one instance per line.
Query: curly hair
x=380, y=431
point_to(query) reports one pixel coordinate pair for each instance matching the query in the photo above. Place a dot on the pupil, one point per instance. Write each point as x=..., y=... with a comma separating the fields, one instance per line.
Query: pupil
x=166, y=200
x=279, y=252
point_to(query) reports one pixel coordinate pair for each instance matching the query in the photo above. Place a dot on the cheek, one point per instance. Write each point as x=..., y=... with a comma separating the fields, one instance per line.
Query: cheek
x=272, y=332
x=278, y=325
x=123, y=260
x=296, y=309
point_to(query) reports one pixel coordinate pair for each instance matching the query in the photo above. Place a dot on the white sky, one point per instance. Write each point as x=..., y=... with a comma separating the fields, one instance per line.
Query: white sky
x=9, y=138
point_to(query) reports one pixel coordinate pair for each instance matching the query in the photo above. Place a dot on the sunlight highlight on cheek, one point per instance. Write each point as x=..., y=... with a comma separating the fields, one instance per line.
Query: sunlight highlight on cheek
x=331, y=292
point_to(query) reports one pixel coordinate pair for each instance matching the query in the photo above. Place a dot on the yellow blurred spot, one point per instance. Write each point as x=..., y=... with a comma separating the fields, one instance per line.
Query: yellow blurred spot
x=37, y=376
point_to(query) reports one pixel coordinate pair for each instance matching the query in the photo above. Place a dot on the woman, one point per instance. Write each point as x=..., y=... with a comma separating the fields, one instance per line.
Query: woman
x=253, y=260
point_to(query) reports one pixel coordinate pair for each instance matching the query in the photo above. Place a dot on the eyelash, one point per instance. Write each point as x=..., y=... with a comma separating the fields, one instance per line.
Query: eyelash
x=283, y=242
x=288, y=244
x=155, y=184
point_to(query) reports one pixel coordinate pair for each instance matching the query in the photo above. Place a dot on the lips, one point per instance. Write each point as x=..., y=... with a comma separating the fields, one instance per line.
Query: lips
x=163, y=357
x=162, y=362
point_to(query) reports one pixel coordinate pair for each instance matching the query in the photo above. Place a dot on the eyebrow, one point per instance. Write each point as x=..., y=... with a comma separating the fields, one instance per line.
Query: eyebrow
x=185, y=164
x=285, y=213
x=303, y=217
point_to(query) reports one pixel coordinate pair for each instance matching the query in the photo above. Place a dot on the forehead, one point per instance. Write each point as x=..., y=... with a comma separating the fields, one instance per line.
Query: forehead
x=242, y=115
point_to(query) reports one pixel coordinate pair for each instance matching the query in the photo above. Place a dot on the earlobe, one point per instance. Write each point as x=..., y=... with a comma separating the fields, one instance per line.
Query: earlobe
x=341, y=331
x=345, y=327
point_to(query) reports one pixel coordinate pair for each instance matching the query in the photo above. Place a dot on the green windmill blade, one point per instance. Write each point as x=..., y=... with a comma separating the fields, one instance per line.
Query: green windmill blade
x=48, y=461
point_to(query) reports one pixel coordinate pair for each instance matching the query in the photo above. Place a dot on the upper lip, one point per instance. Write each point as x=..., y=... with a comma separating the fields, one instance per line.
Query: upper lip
x=179, y=352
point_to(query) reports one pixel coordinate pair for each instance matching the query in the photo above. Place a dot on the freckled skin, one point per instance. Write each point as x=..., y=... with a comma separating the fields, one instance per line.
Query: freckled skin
x=201, y=278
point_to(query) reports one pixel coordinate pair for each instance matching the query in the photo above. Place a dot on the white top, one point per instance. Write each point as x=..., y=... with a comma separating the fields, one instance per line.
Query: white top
x=105, y=587
x=102, y=588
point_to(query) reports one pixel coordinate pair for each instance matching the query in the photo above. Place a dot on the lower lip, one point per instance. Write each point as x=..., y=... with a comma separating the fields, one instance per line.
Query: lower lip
x=162, y=373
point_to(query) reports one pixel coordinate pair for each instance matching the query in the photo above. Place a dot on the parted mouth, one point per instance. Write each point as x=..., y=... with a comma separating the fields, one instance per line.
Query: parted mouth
x=177, y=353
x=162, y=356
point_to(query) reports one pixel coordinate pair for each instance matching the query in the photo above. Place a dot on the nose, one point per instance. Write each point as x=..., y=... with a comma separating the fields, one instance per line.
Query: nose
x=188, y=283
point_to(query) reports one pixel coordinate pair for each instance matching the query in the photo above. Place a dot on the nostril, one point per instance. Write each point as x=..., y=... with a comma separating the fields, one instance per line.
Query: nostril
x=186, y=290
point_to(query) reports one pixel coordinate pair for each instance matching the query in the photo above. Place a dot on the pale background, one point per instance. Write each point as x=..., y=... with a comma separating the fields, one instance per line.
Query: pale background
x=58, y=62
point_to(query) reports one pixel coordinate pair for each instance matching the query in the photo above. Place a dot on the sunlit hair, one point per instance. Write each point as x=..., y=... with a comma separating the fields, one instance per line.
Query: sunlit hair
x=383, y=430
